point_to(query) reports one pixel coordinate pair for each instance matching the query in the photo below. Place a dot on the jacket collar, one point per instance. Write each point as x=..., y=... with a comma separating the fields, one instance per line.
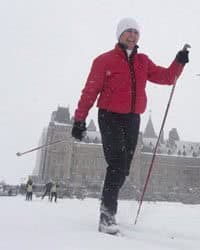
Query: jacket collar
x=121, y=50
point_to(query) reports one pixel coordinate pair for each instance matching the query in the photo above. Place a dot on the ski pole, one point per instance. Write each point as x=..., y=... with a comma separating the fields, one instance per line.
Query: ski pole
x=186, y=46
x=42, y=146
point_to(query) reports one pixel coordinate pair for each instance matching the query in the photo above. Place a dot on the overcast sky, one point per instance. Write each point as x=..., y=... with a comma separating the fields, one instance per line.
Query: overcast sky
x=47, y=47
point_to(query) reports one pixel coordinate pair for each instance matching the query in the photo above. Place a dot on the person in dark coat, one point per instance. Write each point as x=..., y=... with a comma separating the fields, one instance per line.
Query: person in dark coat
x=118, y=78
x=47, y=189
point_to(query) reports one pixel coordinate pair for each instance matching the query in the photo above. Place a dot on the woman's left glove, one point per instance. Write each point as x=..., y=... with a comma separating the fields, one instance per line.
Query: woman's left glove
x=182, y=57
x=78, y=130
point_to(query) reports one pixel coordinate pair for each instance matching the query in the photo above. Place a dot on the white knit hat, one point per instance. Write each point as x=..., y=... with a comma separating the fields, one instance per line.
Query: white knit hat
x=126, y=23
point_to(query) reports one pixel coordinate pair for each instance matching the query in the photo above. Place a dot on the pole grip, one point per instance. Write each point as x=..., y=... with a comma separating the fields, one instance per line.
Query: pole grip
x=186, y=46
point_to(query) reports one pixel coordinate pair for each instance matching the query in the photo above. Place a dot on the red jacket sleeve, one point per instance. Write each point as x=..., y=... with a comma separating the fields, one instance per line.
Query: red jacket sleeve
x=161, y=75
x=93, y=87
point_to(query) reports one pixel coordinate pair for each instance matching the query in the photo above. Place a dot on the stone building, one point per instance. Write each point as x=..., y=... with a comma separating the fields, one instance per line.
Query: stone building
x=175, y=175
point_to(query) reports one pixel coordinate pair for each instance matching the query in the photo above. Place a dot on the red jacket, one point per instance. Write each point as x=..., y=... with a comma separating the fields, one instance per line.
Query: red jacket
x=121, y=84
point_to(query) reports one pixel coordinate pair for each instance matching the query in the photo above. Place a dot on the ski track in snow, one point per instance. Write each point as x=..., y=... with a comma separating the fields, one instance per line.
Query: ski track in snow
x=72, y=224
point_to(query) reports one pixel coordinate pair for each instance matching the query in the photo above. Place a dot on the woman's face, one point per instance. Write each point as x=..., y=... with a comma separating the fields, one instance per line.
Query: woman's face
x=129, y=38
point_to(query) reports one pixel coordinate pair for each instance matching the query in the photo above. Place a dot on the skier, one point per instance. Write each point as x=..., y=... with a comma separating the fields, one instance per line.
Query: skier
x=119, y=78
x=47, y=189
x=53, y=192
x=29, y=189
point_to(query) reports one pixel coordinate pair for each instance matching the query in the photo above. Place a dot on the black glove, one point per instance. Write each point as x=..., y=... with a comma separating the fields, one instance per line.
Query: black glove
x=182, y=57
x=78, y=129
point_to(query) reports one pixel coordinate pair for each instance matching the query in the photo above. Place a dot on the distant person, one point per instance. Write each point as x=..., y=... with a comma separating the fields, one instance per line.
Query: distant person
x=47, y=189
x=118, y=77
x=29, y=190
x=54, y=190
x=10, y=192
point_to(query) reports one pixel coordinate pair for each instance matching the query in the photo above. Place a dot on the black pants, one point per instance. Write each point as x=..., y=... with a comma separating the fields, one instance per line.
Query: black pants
x=47, y=192
x=29, y=196
x=53, y=194
x=119, y=134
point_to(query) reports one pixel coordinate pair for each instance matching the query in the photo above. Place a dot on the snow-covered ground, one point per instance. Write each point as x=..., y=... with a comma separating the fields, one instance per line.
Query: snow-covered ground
x=71, y=224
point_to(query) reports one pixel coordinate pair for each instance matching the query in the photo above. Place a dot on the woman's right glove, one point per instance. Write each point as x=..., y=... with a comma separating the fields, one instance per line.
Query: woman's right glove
x=182, y=57
x=78, y=130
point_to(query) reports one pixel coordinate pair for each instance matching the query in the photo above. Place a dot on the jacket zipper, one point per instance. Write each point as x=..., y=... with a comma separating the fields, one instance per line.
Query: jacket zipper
x=130, y=64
